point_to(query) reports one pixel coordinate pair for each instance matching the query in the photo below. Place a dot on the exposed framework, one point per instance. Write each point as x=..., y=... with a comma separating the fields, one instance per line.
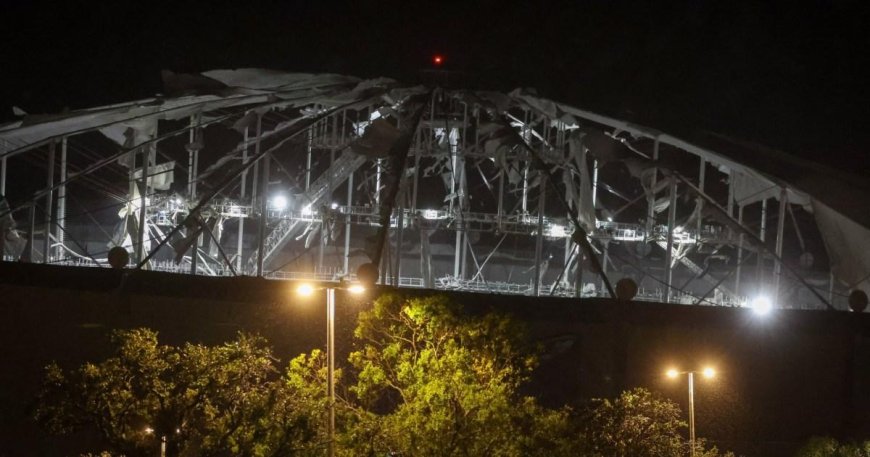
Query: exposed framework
x=287, y=177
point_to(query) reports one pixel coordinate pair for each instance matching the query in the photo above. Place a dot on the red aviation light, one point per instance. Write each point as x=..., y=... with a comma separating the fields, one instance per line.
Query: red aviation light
x=437, y=59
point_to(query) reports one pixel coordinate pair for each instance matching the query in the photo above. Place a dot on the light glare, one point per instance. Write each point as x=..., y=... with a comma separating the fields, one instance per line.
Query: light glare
x=761, y=305
x=672, y=373
x=709, y=373
x=356, y=289
x=279, y=202
x=305, y=290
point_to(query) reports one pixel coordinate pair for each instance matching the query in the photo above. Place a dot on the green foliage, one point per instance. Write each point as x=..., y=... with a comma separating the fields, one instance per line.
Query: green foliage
x=428, y=379
x=433, y=381
x=829, y=447
x=205, y=400
x=637, y=424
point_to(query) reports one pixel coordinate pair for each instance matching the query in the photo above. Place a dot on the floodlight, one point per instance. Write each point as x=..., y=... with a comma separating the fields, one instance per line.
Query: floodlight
x=558, y=231
x=278, y=202
x=709, y=372
x=356, y=289
x=761, y=305
x=672, y=373
x=149, y=430
x=305, y=290
x=334, y=205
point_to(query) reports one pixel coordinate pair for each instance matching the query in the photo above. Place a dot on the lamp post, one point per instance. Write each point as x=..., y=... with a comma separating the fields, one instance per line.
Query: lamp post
x=708, y=373
x=307, y=290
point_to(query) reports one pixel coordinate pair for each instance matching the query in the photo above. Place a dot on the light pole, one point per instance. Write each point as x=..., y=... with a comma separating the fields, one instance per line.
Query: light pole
x=306, y=290
x=708, y=373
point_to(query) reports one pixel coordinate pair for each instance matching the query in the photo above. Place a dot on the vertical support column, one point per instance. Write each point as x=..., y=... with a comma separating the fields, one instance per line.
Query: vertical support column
x=309, y=147
x=729, y=206
x=651, y=214
x=739, y=251
x=143, y=206
x=594, y=186
x=49, y=197
x=241, y=235
x=31, y=238
x=378, y=183
x=762, y=234
x=261, y=238
x=192, y=167
x=3, y=175
x=780, y=229
x=605, y=257
x=61, y=201
x=347, y=225
x=672, y=216
x=539, y=241
x=701, y=178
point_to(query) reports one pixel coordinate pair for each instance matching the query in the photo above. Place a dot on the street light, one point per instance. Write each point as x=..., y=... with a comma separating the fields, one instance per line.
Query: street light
x=708, y=373
x=307, y=290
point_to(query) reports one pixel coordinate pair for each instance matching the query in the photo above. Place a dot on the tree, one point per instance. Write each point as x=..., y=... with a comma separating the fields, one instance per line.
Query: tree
x=829, y=447
x=433, y=381
x=204, y=400
x=637, y=424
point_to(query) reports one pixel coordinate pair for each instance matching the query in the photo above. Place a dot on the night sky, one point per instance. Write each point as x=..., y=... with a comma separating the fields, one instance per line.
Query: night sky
x=790, y=75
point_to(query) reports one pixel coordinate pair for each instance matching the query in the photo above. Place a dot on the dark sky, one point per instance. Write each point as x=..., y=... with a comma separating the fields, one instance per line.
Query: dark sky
x=791, y=75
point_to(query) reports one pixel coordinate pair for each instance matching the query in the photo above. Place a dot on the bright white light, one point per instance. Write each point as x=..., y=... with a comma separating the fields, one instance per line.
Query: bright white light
x=278, y=202
x=709, y=373
x=678, y=229
x=334, y=205
x=149, y=430
x=430, y=214
x=557, y=231
x=761, y=305
x=672, y=373
x=356, y=289
x=306, y=211
x=179, y=201
x=609, y=219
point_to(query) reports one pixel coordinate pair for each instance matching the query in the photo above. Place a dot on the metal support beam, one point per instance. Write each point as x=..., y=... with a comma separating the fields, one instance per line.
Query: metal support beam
x=346, y=267
x=242, y=187
x=61, y=200
x=651, y=214
x=761, y=235
x=261, y=238
x=539, y=241
x=143, y=205
x=46, y=253
x=672, y=216
x=780, y=230
x=702, y=172
x=739, y=251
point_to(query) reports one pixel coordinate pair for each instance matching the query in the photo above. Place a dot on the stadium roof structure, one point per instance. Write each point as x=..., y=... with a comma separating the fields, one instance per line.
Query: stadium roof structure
x=290, y=175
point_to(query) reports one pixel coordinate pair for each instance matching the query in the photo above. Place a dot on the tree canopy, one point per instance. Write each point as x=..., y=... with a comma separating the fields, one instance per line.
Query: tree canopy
x=204, y=400
x=426, y=378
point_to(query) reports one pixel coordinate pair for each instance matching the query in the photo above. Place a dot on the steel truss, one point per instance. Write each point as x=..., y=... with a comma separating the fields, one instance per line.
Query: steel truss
x=302, y=194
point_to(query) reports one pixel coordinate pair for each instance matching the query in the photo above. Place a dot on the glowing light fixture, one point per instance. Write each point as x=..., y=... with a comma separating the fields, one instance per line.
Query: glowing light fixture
x=149, y=430
x=305, y=290
x=672, y=373
x=334, y=205
x=278, y=202
x=761, y=305
x=709, y=372
x=437, y=59
x=356, y=289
